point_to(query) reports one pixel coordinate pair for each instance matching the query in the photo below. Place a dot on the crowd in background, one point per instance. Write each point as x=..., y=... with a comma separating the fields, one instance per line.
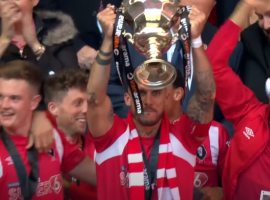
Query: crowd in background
x=63, y=38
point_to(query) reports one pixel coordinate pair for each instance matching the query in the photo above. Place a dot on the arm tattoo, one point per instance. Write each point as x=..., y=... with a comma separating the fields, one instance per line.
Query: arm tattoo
x=91, y=98
x=111, y=115
x=201, y=104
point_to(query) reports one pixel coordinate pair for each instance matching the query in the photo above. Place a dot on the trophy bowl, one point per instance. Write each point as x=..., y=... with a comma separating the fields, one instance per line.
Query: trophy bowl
x=151, y=21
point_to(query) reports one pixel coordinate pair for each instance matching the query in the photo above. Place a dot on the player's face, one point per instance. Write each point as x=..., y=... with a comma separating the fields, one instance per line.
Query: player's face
x=71, y=115
x=153, y=104
x=264, y=22
x=17, y=102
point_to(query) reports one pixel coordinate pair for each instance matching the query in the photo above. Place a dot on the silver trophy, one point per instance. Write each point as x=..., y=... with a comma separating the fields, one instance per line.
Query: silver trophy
x=151, y=21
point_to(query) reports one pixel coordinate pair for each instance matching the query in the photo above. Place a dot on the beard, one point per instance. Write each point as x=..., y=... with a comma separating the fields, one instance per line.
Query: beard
x=144, y=120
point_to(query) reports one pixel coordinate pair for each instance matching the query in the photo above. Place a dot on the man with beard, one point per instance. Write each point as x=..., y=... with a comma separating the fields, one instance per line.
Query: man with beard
x=124, y=145
x=246, y=174
x=65, y=96
x=256, y=62
x=212, y=152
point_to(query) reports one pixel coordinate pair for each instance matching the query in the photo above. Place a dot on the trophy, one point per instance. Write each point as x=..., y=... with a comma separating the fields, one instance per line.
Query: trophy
x=151, y=21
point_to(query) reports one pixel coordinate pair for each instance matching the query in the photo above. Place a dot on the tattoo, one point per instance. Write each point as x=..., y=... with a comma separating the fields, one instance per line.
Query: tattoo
x=91, y=97
x=111, y=115
x=201, y=104
x=102, y=61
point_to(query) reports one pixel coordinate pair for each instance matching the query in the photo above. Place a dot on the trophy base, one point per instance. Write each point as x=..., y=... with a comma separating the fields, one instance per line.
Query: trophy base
x=155, y=74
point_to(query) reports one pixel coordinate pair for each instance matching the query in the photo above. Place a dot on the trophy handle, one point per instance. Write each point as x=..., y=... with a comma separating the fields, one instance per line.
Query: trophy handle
x=129, y=35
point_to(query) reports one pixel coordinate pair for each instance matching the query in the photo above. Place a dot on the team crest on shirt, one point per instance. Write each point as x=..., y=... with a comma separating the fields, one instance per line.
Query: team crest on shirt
x=201, y=153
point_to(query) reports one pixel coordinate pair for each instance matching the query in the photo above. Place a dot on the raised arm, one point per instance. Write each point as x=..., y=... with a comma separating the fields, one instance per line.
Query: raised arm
x=100, y=113
x=201, y=104
x=235, y=100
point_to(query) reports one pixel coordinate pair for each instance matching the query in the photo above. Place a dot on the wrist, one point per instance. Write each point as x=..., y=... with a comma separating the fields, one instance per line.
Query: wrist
x=196, y=42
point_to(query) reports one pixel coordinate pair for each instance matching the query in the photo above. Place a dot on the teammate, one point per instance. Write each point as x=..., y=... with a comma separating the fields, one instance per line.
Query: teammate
x=123, y=170
x=212, y=152
x=246, y=173
x=19, y=87
x=66, y=99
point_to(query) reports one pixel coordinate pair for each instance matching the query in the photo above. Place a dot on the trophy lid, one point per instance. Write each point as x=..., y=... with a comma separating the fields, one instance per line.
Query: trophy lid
x=155, y=74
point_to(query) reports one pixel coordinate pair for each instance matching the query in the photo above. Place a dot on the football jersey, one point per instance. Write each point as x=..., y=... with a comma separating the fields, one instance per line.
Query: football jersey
x=112, y=158
x=62, y=157
x=211, y=157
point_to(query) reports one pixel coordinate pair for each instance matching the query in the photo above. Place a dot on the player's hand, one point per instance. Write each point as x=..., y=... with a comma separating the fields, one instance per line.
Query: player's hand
x=212, y=193
x=106, y=19
x=41, y=133
x=10, y=14
x=197, y=21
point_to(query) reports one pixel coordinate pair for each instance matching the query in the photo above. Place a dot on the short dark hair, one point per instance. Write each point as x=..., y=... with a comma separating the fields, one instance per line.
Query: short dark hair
x=57, y=85
x=22, y=70
x=179, y=81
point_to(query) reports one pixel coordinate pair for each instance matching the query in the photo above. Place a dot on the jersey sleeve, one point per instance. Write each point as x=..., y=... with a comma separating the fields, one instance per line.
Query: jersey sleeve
x=235, y=100
x=77, y=192
x=72, y=156
x=224, y=143
x=188, y=131
x=119, y=128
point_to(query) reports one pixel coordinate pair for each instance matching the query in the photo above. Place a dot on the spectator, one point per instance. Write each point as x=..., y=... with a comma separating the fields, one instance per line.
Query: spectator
x=43, y=38
x=65, y=95
x=84, y=14
x=256, y=61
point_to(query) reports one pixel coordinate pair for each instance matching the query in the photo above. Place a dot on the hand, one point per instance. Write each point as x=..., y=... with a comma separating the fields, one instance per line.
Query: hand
x=197, y=21
x=86, y=57
x=41, y=133
x=10, y=14
x=66, y=186
x=212, y=193
x=106, y=19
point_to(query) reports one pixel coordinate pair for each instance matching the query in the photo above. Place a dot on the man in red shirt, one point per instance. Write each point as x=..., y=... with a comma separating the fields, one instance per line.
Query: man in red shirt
x=246, y=173
x=125, y=169
x=66, y=98
x=19, y=87
x=212, y=152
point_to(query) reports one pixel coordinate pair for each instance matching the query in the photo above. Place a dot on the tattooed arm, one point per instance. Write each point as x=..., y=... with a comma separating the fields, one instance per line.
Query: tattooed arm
x=201, y=104
x=100, y=113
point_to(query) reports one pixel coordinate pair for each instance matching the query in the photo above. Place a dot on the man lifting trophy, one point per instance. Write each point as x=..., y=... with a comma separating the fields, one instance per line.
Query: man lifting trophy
x=151, y=21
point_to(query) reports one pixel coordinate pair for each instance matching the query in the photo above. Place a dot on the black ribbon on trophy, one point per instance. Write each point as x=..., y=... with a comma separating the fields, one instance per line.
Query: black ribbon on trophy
x=184, y=36
x=122, y=58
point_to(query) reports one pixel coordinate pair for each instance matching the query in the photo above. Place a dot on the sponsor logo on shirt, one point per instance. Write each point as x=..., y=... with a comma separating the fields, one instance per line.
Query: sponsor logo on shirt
x=201, y=153
x=200, y=179
x=229, y=142
x=248, y=132
x=9, y=160
x=54, y=184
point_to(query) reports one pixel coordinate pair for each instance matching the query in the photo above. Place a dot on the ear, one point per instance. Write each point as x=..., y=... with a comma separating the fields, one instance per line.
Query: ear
x=35, y=3
x=178, y=94
x=53, y=108
x=127, y=99
x=35, y=102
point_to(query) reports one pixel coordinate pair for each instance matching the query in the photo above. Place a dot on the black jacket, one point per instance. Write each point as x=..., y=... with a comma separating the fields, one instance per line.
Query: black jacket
x=256, y=62
x=84, y=14
x=55, y=31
